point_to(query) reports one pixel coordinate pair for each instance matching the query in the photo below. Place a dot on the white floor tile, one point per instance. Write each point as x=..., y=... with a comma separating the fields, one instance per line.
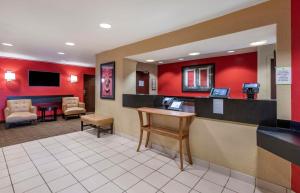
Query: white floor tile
x=130, y=153
x=7, y=189
x=84, y=173
x=142, y=187
x=197, y=170
x=141, y=158
x=228, y=191
x=109, y=153
x=20, y=176
x=216, y=177
x=142, y=171
x=240, y=186
x=62, y=183
x=3, y=173
x=55, y=174
x=68, y=160
x=102, y=165
x=94, y=182
x=163, y=158
x=28, y=184
x=93, y=159
x=85, y=154
x=4, y=182
x=175, y=187
x=40, y=189
x=113, y=172
x=118, y=158
x=154, y=164
x=76, y=188
x=18, y=161
x=126, y=180
x=63, y=155
x=208, y=187
x=48, y=167
x=20, y=168
x=157, y=180
x=129, y=164
x=74, y=166
x=187, y=179
x=169, y=171
x=108, y=188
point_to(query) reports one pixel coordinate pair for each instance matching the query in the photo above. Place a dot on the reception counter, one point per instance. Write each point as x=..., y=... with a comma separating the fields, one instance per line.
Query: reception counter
x=258, y=112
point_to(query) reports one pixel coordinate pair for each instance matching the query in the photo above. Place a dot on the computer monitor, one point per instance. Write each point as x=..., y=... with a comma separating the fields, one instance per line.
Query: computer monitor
x=219, y=93
x=176, y=105
x=251, y=89
x=167, y=101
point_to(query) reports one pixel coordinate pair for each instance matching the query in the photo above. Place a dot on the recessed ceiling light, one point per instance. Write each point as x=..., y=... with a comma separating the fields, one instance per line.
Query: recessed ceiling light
x=231, y=51
x=105, y=25
x=160, y=62
x=194, y=53
x=7, y=44
x=180, y=59
x=150, y=60
x=259, y=43
x=70, y=44
x=60, y=53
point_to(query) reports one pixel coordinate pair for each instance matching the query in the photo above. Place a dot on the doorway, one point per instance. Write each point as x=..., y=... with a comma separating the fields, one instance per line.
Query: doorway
x=89, y=92
x=142, y=82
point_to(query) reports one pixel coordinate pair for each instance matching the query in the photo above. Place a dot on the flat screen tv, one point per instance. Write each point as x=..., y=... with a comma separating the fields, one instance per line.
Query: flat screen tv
x=37, y=78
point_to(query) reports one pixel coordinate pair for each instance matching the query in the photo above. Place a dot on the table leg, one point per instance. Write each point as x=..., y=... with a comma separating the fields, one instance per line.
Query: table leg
x=181, y=154
x=98, y=132
x=147, y=139
x=81, y=125
x=141, y=138
x=187, y=142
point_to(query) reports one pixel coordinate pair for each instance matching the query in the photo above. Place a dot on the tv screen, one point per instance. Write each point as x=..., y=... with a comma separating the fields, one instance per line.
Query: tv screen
x=37, y=78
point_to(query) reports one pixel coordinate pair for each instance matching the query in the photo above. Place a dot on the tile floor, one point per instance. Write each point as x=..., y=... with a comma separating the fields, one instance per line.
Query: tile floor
x=79, y=162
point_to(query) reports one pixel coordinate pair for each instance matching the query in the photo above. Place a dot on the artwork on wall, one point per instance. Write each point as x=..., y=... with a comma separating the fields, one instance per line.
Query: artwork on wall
x=107, y=77
x=198, y=78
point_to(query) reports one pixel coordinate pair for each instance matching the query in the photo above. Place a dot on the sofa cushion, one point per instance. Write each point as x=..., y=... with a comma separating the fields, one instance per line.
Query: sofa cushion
x=20, y=117
x=74, y=111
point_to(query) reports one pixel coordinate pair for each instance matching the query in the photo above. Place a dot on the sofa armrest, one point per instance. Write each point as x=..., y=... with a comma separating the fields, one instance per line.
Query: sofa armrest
x=6, y=112
x=81, y=104
x=64, y=107
x=33, y=109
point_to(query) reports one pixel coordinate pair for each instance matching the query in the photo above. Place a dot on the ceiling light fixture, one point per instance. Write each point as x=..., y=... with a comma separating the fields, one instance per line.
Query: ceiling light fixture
x=150, y=60
x=105, y=25
x=160, y=62
x=231, y=51
x=194, y=53
x=60, y=53
x=259, y=43
x=70, y=44
x=7, y=44
x=180, y=59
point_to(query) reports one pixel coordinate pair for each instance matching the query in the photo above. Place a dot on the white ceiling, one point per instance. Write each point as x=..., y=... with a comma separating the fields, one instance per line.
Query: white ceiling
x=239, y=42
x=39, y=28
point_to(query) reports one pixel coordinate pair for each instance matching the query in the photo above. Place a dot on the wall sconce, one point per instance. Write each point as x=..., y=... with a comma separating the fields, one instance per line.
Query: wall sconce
x=73, y=79
x=9, y=76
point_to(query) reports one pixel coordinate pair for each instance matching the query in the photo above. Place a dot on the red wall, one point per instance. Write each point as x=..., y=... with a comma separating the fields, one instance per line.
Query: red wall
x=296, y=81
x=230, y=71
x=20, y=87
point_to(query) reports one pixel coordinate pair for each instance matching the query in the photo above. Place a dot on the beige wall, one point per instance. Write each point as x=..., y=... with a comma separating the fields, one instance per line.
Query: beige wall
x=264, y=56
x=225, y=143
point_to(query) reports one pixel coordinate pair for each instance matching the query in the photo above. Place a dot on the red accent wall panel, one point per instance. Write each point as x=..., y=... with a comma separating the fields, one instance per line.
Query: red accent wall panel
x=20, y=86
x=296, y=81
x=230, y=71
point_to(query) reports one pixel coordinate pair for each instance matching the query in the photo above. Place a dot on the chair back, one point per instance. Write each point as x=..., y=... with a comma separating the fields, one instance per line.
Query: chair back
x=20, y=105
x=70, y=102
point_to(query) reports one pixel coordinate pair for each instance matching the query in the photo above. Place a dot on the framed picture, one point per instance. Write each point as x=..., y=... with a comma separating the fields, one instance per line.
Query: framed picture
x=198, y=78
x=107, y=77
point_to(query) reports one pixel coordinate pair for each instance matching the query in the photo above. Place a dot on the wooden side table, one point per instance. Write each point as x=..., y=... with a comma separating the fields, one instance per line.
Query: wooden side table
x=185, y=120
x=44, y=109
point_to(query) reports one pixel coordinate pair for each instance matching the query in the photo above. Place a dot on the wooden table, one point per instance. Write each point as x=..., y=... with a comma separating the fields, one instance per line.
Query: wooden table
x=185, y=120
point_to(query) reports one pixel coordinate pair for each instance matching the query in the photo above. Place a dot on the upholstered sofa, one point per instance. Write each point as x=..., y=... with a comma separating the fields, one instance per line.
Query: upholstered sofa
x=71, y=107
x=19, y=111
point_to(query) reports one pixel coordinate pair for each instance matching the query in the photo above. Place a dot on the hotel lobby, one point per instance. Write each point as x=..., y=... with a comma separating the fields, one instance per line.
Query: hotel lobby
x=136, y=96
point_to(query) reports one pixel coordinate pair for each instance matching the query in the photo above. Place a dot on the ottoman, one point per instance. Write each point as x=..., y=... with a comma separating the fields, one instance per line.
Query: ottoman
x=101, y=123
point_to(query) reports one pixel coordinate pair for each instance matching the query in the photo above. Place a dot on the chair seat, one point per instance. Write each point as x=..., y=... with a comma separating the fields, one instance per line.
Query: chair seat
x=74, y=111
x=20, y=117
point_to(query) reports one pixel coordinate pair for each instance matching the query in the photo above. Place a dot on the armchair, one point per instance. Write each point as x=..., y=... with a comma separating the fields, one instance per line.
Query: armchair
x=72, y=107
x=19, y=111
